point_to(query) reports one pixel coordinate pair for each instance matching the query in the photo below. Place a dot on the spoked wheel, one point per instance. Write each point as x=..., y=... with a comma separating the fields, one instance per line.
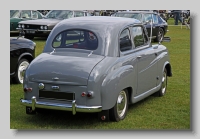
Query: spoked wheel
x=119, y=111
x=23, y=64
x=163, y=88
x=160, y=35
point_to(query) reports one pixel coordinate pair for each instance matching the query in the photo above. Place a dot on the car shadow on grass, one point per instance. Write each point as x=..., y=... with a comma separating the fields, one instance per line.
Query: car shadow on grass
x=52, y=119
x=62, y=120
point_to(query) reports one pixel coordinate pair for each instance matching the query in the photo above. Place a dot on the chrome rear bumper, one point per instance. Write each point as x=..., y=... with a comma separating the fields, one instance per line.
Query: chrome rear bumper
x=59, y=106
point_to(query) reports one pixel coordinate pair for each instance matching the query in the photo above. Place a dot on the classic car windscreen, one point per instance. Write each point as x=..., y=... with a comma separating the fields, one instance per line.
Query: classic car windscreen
x=77, y=39
x=14, y=13
x=130, y=15
x=60, y=14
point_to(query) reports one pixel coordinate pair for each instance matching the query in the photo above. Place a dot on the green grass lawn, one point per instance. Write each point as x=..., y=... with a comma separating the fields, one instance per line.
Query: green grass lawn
x=169, y=112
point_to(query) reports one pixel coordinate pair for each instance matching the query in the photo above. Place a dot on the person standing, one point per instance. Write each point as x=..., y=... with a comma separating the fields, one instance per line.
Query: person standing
x=177, y=17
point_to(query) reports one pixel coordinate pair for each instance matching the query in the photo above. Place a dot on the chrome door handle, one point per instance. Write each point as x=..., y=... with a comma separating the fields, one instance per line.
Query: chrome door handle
x=139, y=56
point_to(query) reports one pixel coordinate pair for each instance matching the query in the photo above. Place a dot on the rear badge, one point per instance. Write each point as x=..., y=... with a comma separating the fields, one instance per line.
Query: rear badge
x=55, y=78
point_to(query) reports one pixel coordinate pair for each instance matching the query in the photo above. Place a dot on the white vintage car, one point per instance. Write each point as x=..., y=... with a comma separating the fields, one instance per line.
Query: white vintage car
x=96, y=64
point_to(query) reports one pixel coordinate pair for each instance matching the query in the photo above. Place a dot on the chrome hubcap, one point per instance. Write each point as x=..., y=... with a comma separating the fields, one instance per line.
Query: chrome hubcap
x=160, y=35
x=21, y=70
x=121, y=104
x=164, y=82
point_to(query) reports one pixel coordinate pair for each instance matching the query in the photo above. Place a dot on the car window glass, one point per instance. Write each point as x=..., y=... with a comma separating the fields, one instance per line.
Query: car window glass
x=77, y=39
x=57, y=40
x=160, y=19
x=26, y=14
x=78, y=14
x=34, y=15
x=14, y=14
x=125, y=41
x=147, y=17
x=155, y=19
x=137, y=36
x=130, y=15
x=60, y=14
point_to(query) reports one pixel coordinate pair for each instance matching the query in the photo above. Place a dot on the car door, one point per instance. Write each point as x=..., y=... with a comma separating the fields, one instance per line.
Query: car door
x=146, y=60
x=127, y=57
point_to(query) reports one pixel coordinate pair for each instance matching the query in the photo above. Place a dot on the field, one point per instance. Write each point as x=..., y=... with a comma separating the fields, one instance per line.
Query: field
x=171, y=112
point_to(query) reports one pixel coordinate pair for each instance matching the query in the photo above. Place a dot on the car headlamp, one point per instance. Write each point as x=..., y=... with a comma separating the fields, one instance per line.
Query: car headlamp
x=45, y=27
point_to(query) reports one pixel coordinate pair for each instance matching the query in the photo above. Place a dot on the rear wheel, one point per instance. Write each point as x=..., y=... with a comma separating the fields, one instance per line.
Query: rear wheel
x=160, y=35
x=119, y=111
x=22, y=65
x=163, y=88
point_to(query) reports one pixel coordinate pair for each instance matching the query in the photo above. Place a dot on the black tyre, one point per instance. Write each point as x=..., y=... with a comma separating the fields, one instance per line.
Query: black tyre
x=21, y=68
x=163, y=87
x=119, y=111
x=160, y=35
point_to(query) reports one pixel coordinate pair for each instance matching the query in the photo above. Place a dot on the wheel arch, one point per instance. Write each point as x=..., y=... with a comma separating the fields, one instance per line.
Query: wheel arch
x=26, y=56
x=169, y=70
x=121, y=80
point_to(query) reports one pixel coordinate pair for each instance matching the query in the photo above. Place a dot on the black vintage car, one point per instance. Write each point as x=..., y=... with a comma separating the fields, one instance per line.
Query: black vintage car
x=159, y=28
x=42, y=27
x=22, y=52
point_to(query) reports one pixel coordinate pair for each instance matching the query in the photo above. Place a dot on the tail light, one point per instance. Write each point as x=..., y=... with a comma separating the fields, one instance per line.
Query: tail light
x=83, y=94
x=90, y=94
x=26, y=89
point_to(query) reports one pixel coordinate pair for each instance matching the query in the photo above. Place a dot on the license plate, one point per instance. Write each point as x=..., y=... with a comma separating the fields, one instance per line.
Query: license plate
x=56, y=95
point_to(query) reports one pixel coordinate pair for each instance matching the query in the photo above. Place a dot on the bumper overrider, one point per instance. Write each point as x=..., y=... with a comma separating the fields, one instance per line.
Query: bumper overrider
x=33, y=103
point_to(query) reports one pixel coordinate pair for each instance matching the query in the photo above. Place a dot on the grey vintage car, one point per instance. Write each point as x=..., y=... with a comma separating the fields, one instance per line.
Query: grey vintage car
x=96, y=64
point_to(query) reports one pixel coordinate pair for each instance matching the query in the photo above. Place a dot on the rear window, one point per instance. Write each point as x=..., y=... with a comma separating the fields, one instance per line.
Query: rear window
x=77, y=39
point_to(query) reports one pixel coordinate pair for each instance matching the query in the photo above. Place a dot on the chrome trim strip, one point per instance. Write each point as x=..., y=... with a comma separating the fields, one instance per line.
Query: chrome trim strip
x=32, y=29
x=60, y=106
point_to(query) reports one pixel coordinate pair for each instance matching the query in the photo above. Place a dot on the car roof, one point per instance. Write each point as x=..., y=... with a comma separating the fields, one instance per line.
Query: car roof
x=106, y=28
x=98, y=22
x=148, y=12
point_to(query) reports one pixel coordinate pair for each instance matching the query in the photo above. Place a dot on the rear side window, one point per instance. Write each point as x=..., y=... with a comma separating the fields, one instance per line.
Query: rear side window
x=125, y=41
x=77, y=39
x=155, y=19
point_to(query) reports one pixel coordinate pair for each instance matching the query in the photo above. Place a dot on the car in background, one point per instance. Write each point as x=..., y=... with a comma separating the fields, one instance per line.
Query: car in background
x=42, y=27
x=22, y=15
x=96, y=64
x=22, y=52
x=159, y=28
